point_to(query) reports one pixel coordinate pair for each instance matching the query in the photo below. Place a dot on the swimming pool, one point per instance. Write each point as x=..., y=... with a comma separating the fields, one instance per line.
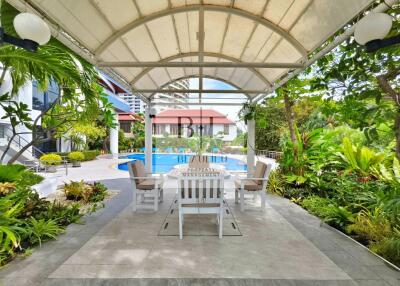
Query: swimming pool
x=163, y=163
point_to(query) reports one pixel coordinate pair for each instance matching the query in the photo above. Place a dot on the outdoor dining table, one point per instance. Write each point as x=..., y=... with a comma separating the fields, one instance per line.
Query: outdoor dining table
x=184, y=168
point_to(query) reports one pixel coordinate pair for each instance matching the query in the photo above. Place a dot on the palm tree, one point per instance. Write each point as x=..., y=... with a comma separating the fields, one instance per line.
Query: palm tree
x=51, y=62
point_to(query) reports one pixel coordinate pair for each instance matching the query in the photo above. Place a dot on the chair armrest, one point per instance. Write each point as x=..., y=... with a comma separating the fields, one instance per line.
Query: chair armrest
x=155, y=178
x=250, y=179
x=143, y=178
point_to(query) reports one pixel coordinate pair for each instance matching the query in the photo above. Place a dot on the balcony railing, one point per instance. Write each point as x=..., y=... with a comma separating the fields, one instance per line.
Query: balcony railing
x=276, y=155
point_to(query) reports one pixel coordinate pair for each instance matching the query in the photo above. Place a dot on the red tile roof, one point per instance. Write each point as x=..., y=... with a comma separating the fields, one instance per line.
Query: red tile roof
x=193, y=116
x=129, y=117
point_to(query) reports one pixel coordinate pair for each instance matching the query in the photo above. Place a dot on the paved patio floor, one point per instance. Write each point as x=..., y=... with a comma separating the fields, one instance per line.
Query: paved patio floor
x=282, y=246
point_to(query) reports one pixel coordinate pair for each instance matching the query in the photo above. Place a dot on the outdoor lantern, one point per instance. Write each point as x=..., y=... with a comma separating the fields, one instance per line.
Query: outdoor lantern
x=371, y=31
x=32, y=30
x=152, y=112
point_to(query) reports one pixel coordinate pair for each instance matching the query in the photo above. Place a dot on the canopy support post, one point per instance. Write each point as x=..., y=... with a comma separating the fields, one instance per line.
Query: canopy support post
x=251, y=140
x=114, y=137
x=148, y=140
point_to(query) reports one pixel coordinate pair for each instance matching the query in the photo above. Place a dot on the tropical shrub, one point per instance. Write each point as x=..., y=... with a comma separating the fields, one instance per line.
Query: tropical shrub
x=6, y=188
x=81, y=191
x=77, y=191
x=360, y=159
x=51, y=159
x=11, y=173
x=76, y=156
x=90, y=154
x=276, y=183
x=370, y=226
x=26, y=220
x=63, y=215
x=389, y=247
x=41, y=230
x=29, y=179
x=99, y=192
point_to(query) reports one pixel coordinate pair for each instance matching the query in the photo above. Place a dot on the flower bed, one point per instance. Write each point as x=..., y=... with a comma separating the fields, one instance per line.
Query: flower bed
x=26, y=220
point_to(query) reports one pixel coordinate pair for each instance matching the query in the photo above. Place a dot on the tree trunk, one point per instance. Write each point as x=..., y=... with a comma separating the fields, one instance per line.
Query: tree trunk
x=19, y=153
x=7, y=149
x=290, y=118
x=383, y=82
x=397, y=132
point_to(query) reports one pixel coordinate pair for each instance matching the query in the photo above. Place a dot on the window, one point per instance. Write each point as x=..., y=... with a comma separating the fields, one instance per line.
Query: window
x=173, y=129
x=41, y=100
x=159, y=129
x=226, y=129
x=125, y=126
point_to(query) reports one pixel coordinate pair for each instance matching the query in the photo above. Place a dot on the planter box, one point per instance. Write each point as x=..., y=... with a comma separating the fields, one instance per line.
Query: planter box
x=51, y=169
x=76, y=164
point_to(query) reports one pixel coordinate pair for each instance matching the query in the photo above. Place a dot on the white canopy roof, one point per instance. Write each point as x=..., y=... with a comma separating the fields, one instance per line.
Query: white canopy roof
x=122, y=33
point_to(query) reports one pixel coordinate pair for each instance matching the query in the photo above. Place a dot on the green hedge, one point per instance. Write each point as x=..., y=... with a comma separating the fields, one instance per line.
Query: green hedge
x=89, y=154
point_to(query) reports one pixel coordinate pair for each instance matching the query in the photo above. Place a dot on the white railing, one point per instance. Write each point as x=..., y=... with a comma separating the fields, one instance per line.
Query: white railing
x=269, y=154
x=20, y=142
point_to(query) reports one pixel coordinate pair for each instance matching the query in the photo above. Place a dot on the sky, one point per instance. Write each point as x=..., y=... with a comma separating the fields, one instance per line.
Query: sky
x=230, y=111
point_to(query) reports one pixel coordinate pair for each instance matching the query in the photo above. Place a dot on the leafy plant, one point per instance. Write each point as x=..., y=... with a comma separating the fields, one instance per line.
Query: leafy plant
x=360, y=159
x=389, y=247
x=42, y=230
x=391, y=175
x=63, y=215
x=10, y=225
x=11, y=173
x=329, y=211
x=76, y=156
x=276, y=183
x=29, y=179
x=99, y=192
x=90, y=154
x=78, y=191
x=6, y=188
x=51, y=159
x=370, y=226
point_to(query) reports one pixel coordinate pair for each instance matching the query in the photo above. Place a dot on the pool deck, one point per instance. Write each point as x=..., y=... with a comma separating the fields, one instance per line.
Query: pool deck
x=283, y=246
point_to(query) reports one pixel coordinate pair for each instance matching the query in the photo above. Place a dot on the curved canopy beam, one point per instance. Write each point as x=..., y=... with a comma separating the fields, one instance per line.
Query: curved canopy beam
x=195, y=54
x=143, y=20
x=196, y=76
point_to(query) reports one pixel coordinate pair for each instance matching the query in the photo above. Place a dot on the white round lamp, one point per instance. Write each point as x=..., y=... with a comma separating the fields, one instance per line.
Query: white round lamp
x=372, y=30
x=31, y=27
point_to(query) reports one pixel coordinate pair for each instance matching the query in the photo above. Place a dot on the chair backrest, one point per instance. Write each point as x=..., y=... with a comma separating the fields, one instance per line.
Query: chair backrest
x=201, y=188
x=262, y=171
x=136, y=169
x=199, y=161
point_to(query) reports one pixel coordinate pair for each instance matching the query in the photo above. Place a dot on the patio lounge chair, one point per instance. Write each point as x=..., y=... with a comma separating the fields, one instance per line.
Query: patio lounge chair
x=253, y=185
x=201, y=193
x=199, y=162
x=144, y=187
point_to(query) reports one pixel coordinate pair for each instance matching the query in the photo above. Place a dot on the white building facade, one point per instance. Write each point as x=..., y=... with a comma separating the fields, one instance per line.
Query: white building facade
x=38, y=101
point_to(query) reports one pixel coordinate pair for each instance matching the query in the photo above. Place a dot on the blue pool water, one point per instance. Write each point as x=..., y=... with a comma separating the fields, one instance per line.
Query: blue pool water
x=163, y=163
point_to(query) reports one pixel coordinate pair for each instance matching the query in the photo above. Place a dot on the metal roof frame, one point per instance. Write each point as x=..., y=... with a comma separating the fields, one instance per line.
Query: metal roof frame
x=294, y=68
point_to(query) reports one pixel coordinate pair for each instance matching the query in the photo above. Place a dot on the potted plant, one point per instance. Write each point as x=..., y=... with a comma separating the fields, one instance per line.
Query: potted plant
x=51, y=161
x=76, y=158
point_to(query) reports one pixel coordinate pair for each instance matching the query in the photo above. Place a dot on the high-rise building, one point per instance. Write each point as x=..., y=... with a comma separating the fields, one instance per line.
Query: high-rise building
x=174, y=100
x=134, y=102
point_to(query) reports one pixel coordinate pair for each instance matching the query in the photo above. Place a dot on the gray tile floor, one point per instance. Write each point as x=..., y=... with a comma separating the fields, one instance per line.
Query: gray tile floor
x=282, y=246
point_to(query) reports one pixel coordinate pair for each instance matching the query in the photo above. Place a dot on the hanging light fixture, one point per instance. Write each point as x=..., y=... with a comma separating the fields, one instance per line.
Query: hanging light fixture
x=31, y=29
x=372, y=30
